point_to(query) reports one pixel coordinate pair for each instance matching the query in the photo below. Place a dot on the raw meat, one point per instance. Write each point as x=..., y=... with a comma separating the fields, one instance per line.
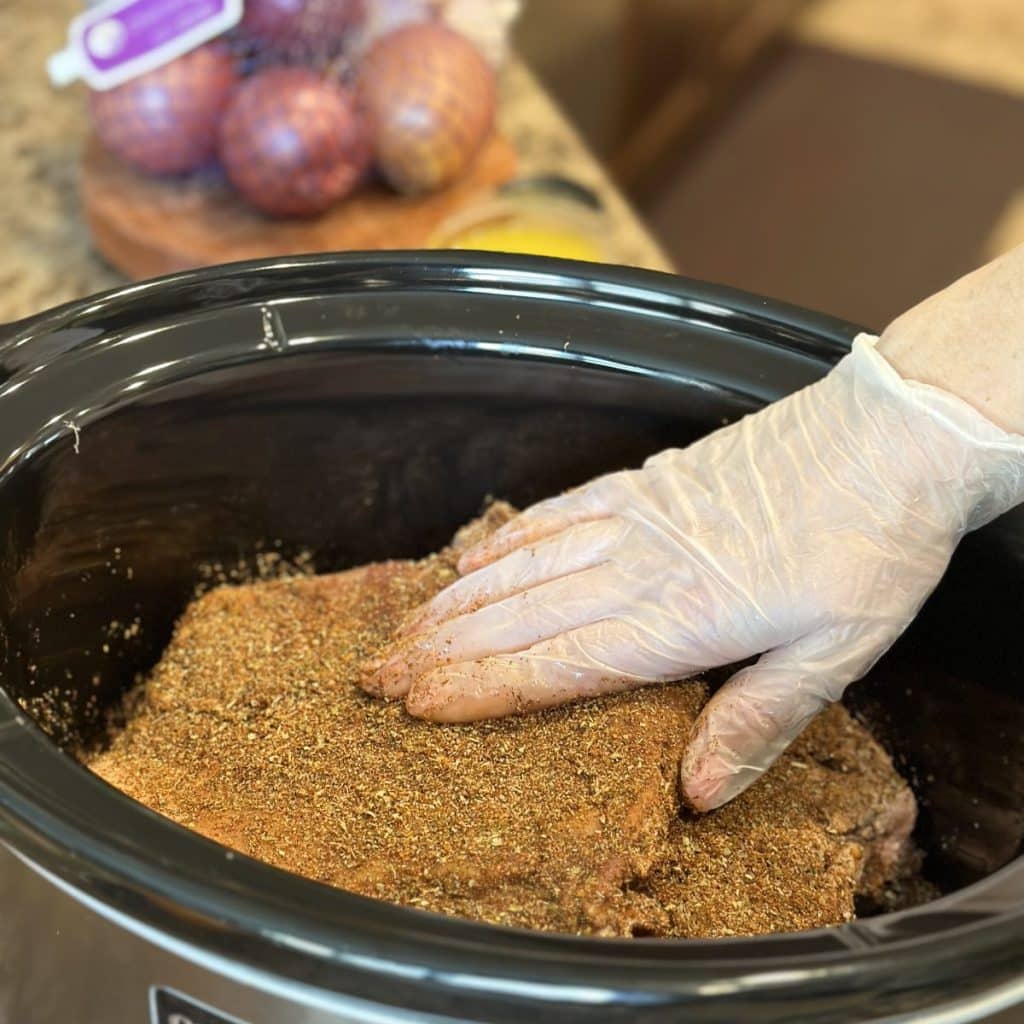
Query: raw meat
x=253, y=732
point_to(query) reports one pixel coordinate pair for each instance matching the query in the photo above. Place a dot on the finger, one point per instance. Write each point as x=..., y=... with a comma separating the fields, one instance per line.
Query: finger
x=598, y=499
x=535, y=524
x=570, y=551
x=764, y=707
x=511, y=625
x=566, y=668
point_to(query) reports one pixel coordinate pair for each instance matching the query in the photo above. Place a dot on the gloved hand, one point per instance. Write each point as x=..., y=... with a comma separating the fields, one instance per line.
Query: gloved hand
x=809, y=533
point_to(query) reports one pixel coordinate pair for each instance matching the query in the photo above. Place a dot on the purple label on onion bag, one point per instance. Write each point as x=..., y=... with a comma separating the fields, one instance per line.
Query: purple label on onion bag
x=117, y=40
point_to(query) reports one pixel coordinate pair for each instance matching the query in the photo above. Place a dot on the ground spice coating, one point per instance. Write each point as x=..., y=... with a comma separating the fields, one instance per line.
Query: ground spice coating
x=252, y=731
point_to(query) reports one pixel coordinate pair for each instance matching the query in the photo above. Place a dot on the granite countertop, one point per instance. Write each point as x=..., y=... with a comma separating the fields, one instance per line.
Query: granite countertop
x=45, y=253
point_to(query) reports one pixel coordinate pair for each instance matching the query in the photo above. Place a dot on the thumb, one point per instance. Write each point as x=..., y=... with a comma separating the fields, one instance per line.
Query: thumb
x=757, y=714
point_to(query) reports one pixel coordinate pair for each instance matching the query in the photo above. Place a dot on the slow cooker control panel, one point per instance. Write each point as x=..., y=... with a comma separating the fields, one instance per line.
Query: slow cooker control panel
x=169, y=1007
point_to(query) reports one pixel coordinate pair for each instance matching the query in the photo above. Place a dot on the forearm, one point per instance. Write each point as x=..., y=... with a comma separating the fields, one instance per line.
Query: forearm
x=990, y=377
x=969, y=340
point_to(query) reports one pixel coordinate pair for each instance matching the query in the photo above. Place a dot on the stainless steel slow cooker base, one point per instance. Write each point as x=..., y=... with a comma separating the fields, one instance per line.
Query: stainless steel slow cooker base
x=83, y=961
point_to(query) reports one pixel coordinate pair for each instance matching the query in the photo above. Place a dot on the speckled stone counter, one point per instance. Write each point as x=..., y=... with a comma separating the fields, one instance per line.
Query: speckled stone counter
x=45, y=253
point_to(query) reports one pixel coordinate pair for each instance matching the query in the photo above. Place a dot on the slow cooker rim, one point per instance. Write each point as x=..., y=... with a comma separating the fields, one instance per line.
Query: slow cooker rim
x=821, y=336
x=818, y=334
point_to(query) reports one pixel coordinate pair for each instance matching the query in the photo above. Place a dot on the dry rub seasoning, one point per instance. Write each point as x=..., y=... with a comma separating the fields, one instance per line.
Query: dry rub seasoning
x=252, y=731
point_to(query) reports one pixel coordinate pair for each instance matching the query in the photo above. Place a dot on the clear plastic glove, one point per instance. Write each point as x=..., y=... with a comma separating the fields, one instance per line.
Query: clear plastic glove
x=809, y=533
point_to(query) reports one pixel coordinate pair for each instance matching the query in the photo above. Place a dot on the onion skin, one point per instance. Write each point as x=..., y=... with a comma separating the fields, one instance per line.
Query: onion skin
x=166, y=121
x=293, y=143
x=430, y=98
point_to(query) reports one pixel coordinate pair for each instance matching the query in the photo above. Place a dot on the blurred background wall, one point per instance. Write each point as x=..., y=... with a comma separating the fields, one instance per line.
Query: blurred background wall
x=850, y=155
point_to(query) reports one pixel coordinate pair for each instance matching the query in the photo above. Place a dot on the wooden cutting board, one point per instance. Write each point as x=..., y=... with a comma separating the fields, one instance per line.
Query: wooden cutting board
x=146, y=226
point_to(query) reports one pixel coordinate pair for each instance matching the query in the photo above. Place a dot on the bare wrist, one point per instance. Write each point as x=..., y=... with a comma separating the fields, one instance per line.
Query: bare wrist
x=989, y=378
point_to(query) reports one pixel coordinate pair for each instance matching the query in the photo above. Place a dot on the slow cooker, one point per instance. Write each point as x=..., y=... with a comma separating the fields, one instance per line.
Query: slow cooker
x=360, y=407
